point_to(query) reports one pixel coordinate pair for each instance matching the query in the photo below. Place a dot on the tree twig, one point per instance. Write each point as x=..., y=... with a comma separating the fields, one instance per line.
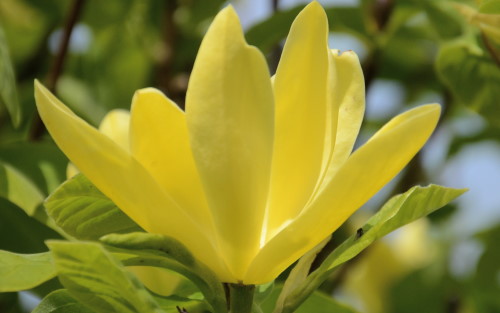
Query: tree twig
x=38, y=128
x=274, y=56
x=494, y=55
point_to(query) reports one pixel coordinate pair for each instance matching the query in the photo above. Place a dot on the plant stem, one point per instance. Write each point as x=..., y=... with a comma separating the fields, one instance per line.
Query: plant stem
x=241, y=298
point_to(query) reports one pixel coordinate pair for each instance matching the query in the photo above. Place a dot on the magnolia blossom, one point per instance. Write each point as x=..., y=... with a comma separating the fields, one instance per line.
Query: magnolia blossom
x=256, y=171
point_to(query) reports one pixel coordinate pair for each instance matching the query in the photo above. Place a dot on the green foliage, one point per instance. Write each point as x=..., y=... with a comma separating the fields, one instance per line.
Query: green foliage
x=94, y=277
x=61, y=301
x=472, y=76
x=398, y=211
x=83, y=212
x=443, y=18
x=20, y=233
x=161, y=251
x=318, y=302
x=18, y=189
x=448, y=49
x=24, y=271
x=485, y=287
x=41, y=162
x=8, y=91
x=298, y=275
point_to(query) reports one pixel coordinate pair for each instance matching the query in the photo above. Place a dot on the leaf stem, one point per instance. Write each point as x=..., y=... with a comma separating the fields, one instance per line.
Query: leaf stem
x=241, y=298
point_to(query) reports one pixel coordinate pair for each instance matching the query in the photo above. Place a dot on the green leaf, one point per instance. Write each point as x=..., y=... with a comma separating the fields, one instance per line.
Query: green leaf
x=472, y=77
x=84, y=212
x=60, y=301
x=160, y=251
x=42, y=162
x=443, y=19
x=9, y=303
x=318, y=302
x=8, y=92
x=490, y=7
x=488, y=22
x=20, y=233
x=398, y=211
x=299, y=274
x=18, y=189
x=94, y=277
x=24, y=271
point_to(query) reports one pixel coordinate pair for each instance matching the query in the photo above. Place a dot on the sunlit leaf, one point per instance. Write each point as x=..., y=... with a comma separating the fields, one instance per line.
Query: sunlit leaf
x=18, y=189
x=160, y=251
x=94, y=277
x=60, y=301
x=82, y=211
x=24, y=271
x=298, y=274
x=398, y=211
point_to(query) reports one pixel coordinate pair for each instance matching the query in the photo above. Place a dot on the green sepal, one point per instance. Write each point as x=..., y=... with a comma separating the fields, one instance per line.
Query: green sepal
x=144, y=249
x=96, y=278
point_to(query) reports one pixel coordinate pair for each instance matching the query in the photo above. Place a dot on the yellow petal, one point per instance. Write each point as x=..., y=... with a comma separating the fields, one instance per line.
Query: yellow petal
x=363, y=174
x=300, y=89
x=229, y=111
x=347, y=104
x=115, y=125
x=120, y=177
x=159, y=140
x=71, y=170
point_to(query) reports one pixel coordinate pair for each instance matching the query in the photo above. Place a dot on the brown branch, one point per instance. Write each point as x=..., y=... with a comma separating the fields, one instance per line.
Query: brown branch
x=381, y=12
x=491, y=49
x=275, y=54
x=164, y=72
x=275, y=5
x=38, y=128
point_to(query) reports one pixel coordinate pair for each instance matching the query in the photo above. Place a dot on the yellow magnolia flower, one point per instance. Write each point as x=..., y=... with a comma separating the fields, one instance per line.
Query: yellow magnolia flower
x=256, y=172
x=115, y=125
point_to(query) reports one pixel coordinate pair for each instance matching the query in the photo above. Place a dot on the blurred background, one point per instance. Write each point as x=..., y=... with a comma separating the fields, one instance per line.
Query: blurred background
x=95, y=54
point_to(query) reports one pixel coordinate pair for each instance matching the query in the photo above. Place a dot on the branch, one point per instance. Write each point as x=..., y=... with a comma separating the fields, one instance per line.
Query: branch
x=491, y=49
x=38, y=128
